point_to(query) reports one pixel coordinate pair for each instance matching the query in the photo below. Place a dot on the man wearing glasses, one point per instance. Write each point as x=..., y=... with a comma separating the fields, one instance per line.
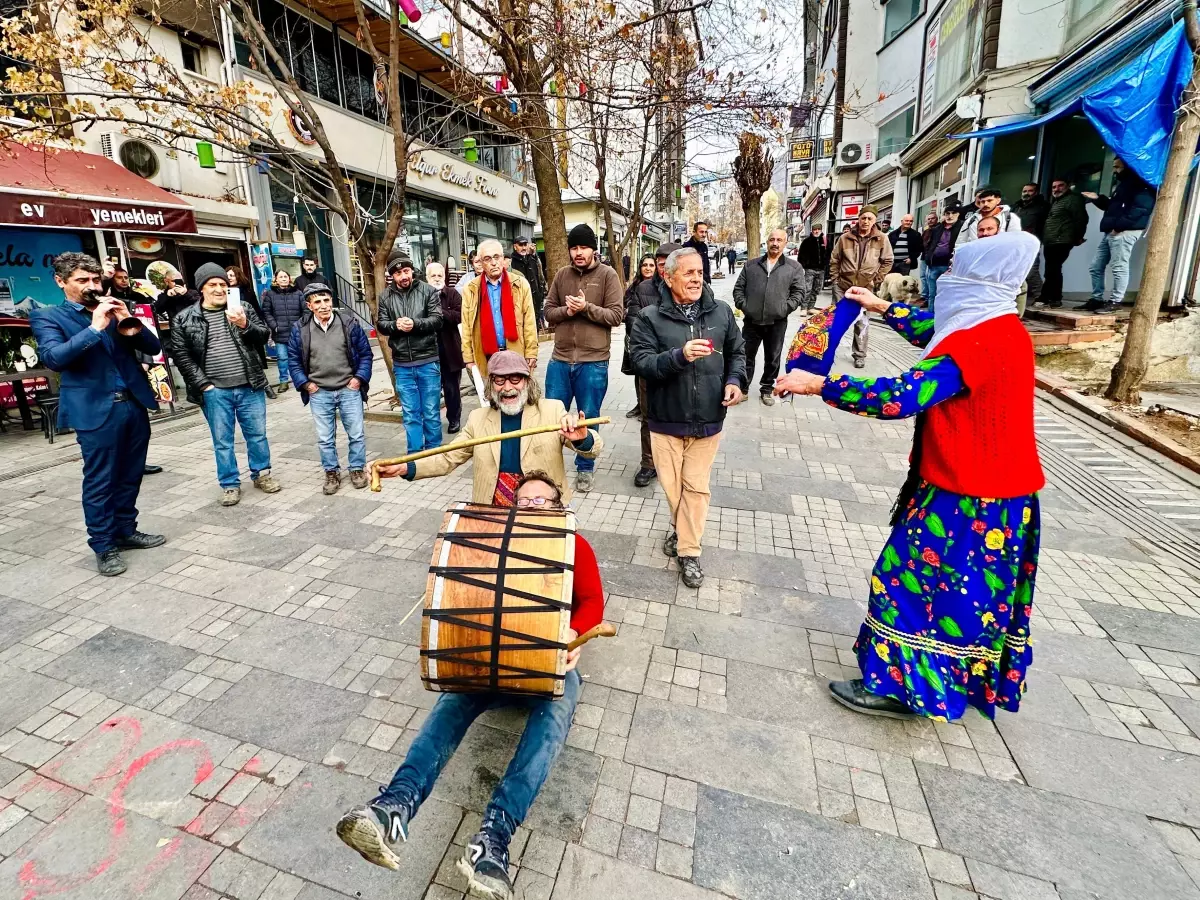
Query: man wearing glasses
x=514, y=402
x=497, y=312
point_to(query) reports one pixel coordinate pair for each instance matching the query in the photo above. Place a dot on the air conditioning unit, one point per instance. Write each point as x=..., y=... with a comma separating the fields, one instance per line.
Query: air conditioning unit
x=282, y=223
x=154, y=162
x=854, y=154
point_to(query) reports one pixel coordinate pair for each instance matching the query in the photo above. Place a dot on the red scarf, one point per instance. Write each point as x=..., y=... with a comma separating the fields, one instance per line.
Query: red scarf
x=508, y=313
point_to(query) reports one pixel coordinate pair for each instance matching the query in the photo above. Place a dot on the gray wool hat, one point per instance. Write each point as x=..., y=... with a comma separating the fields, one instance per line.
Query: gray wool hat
x=316, y=288
x=206, y=273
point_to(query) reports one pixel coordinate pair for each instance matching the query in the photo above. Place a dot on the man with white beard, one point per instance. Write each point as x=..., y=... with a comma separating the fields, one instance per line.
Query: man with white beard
x=514, y=402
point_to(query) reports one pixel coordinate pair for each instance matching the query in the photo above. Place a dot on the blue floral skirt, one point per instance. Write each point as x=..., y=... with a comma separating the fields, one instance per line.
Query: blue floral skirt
x=951, y=596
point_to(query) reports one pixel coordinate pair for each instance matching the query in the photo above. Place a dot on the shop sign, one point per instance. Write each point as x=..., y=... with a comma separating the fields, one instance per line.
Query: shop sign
x=827, y=148
x=802, y=151
x=795, y=203
x=261, y=268
x=452, y=174
x=300, y=130
x=288, y=251
x=850, y=205
x=953, y=53
x=70, y=212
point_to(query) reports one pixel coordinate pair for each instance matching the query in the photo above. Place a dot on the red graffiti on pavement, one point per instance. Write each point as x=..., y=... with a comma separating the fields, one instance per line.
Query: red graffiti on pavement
x=44, y=885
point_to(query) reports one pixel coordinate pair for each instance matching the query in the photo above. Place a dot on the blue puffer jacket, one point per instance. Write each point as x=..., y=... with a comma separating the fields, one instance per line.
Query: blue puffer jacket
x=282, y=309
x=1129, y=207
x=358, y=350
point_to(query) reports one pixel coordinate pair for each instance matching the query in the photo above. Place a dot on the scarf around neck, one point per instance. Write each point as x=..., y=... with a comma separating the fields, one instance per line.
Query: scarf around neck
x=491, y=342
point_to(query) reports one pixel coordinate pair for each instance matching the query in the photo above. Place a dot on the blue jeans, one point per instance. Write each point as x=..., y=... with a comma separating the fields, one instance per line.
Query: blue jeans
x=1114, y=250
x=325, y=406
x=542, y=741
x=420, y=391
x=585, y=383
x=281, y=358
x=249, y=407
x=929, y=280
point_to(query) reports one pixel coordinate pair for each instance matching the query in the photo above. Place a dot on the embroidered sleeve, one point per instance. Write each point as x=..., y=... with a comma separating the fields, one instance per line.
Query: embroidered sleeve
x=912, y=324
x=928, y=383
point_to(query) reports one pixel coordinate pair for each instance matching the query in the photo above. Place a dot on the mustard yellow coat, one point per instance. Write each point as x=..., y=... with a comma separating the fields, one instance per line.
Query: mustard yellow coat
x=526, y=343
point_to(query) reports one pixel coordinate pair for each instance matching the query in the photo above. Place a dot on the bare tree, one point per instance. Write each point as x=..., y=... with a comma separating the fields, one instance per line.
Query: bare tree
x=752, y=169
x=1130, y=371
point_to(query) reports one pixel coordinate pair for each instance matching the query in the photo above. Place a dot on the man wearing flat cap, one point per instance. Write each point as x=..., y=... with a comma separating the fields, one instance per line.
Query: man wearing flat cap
x=525, y=260
x=861, y=257
x=514, y=402
x=584, y=305
x=411, y=317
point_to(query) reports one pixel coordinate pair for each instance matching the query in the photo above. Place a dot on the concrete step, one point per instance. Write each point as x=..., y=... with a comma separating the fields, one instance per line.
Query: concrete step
x=1044, y=334
x=1075, y=320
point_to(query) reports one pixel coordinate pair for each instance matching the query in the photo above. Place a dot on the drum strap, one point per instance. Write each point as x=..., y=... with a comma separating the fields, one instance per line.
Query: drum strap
x=464, y=575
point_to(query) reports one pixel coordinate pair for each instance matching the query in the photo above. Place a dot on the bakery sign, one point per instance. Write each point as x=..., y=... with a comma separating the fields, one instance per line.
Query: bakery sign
x=440, y=173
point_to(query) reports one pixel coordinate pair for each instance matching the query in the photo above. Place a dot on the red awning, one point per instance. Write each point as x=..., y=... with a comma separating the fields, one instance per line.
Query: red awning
x=50, y=188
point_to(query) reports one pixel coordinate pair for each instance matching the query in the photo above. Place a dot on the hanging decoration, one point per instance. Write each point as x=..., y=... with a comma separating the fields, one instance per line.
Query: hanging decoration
x=447, y=40
x=409, y=9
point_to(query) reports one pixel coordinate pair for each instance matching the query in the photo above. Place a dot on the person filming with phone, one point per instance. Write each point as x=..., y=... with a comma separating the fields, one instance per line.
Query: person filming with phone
x=93, y=342
x=215, y=344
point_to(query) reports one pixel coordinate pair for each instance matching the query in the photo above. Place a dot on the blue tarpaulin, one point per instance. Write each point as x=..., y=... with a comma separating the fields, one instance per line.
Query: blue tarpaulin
x=1133, y=109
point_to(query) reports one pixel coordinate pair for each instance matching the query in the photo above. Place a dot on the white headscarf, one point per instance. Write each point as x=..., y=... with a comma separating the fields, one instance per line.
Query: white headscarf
x=982, y=284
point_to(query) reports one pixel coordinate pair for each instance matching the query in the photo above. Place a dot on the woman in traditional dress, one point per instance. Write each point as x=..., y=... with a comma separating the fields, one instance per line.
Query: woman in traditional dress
x=951, y=595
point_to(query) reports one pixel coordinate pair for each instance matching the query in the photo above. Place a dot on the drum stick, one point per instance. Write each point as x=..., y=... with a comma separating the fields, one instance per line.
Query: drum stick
x=376, y=483
x=602, y=630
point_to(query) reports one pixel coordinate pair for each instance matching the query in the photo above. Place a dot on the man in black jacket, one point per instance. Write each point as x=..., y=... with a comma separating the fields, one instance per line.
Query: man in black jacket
x=1063, y=231
x=216, y=350
x=768, y=290
x=1126, y=215
x=309, y=274
x=814, y=257
x=906, y=246
x=450, y=358
x=698, y=242
x=1032, y=209
x=411, y=316
x=692, y=355
x=526, y=261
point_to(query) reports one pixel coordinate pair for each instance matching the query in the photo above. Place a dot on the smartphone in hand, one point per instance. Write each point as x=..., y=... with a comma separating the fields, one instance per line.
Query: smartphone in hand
x=234, y=304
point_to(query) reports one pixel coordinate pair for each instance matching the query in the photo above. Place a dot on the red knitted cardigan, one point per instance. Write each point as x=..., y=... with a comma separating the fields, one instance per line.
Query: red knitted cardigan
x=981, y=443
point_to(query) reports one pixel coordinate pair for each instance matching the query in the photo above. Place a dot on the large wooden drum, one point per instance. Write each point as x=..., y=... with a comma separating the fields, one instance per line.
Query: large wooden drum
x=498, y=601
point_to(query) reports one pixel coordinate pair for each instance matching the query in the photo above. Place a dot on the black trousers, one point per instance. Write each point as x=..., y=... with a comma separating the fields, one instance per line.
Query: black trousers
x=114, y=460
x=770, y=336
x=1052, y=284
x=453, y=392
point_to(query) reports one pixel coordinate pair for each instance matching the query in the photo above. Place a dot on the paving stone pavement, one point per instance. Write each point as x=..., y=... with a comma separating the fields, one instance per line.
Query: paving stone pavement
x=194, y=728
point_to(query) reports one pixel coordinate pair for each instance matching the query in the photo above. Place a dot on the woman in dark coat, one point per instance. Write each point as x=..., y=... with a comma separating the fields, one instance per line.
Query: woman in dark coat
x=282, y=306
x=450, y=357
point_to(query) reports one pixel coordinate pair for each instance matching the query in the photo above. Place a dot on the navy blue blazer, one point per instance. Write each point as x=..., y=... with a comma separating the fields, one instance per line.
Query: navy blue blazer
x=68, y=345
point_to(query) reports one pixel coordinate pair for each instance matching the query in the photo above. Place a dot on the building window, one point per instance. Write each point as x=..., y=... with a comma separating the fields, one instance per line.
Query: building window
x=1084, y=17
x=191, y=57
x=954, y=54
x=897, y=15
x=896, y=132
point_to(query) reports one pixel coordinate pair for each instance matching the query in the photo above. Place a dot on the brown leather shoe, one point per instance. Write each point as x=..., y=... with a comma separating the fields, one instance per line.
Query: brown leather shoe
x=358, y=478
x=333, y=481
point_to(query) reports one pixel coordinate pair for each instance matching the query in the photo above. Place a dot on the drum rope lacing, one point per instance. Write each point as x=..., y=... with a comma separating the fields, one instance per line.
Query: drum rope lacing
x=463, y=575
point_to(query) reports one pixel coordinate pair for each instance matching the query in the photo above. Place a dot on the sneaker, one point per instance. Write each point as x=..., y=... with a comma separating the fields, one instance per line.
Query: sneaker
x=375, y=830
x=266, y=483
x=644, y=476
x=767, y=399
x=333, y=481
x=584, y=482
x=1092, y=305
x=484, y=864
x=231, y=497
x=139, y=540
x=1108, y=309
x=110, y=563
x=671, y=545
x=359, y=479
x=689, y=571
x=854, y=695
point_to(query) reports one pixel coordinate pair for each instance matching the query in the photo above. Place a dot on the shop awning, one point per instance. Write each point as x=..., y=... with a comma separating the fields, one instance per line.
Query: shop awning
x=1133, y=109
x=47, y=188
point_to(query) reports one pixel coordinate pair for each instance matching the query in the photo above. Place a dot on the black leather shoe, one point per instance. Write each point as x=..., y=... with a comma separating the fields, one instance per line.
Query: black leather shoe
x=271, y=395
x=854, y=695
x=453, y=428
x=151, y=470
x=110, y=563
x=139, y=540
x=644, y=476
x=633, y=413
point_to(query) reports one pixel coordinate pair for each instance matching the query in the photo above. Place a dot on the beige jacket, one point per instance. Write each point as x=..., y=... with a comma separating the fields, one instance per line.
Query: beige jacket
x=526, y=343
x=541, y=451
x=860, y=261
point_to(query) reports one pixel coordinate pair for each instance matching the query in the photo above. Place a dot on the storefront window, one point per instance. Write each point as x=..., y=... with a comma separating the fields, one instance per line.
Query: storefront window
x=425, y=228
x=896, y=132
x=953, y=53
x=1085, y=16
x=896, y=16
x=481, y=227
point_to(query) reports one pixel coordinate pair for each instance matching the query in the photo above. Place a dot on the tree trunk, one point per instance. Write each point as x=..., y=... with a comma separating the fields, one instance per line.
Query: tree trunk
x=545, y=176
x=753, y=229
x=1130, y=370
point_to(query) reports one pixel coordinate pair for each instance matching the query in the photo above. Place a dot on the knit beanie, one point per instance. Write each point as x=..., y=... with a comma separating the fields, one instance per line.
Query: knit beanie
x=399, y=262
x=582, y=236
x=207, y=272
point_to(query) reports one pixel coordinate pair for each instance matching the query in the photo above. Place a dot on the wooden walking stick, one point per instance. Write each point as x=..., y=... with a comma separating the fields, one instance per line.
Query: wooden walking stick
x=376, y=480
